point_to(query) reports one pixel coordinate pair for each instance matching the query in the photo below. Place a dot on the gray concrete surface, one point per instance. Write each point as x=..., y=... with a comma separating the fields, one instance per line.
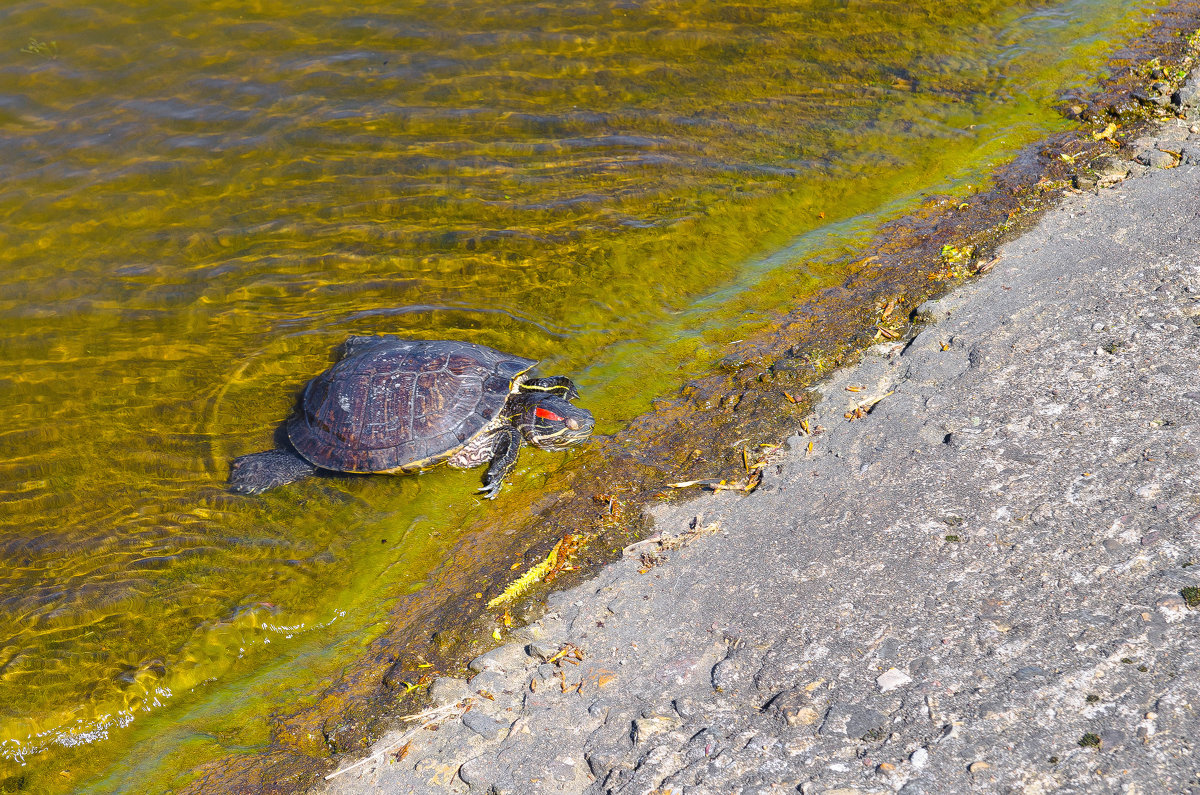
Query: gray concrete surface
x=977, y=587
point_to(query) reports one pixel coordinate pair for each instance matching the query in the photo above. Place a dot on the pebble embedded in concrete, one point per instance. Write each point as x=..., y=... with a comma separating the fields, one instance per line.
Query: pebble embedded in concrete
x=507, y=658
x=892, y=679
x=486, y=727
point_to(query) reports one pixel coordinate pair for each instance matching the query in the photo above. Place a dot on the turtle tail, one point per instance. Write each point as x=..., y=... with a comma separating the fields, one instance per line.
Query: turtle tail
x=257, y=472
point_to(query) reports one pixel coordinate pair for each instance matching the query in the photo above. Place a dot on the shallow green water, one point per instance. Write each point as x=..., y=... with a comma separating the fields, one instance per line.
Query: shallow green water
x=201, y=200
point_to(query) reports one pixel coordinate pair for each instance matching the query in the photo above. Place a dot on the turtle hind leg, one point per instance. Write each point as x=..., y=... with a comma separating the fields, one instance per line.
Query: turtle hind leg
x=258, y=472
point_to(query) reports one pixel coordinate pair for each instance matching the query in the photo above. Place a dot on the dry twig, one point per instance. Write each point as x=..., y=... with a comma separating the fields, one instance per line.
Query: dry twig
x=427, y=718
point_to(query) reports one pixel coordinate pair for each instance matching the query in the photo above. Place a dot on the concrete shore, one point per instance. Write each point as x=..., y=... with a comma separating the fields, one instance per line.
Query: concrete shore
x=990, y=581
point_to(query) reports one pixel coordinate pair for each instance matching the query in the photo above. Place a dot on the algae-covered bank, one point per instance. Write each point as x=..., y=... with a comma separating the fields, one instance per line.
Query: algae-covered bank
x=682, y=206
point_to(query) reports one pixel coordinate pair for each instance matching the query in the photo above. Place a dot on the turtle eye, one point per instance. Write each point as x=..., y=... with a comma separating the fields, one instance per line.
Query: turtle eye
x=546, y=414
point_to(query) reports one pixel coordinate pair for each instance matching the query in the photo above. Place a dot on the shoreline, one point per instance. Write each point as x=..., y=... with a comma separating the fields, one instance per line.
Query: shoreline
x=988, y=589
x=357, y=707
x=972, y=572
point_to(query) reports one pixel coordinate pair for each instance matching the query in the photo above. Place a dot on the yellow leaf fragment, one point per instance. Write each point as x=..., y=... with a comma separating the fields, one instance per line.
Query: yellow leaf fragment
x=402, y=751
x=530, y=578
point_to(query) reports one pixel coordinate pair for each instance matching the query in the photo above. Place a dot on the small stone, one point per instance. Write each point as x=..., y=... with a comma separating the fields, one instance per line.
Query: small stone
x=689, y=708
x=1151, y=97
x=645, y=728
x=487, y=682
x=1157, y=159
x=1083, y=182
x=792, y=706
x=889, y=648
x=704, y=744
x=805, y=716
x=507, y=658
x=1172, y=607
x=1149, y=491
x=729, y=673
x=891, y=679
x=1186, y=96
x=978, y=767
x=851, y=721
x=480, y=772
x=447, y=690
x=486, y=727
x=1110, y=172
x=919, y=758
x=1030, y=672
x=542, y=650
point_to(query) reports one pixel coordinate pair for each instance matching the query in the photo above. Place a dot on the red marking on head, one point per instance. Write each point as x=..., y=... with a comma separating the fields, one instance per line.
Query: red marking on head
x=547, y=414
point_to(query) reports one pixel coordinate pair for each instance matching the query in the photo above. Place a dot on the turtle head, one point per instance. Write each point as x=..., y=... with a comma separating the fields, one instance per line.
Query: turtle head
x=557, y=385
x=552, y=423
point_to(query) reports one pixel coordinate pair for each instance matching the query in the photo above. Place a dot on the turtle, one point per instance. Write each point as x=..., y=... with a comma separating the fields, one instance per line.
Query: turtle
x=394, y=405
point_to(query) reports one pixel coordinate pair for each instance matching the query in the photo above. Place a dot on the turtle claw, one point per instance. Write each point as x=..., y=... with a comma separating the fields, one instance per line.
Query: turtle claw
x=490, y=490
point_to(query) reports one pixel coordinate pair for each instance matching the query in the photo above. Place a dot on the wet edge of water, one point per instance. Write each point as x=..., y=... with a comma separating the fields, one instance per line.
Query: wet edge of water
x=596, y=494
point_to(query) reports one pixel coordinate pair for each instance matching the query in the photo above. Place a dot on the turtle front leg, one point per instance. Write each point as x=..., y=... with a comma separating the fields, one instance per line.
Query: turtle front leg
x=504, y=458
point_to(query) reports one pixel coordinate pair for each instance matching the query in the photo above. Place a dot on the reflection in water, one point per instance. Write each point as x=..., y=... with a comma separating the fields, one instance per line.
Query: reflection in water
x=200, y=201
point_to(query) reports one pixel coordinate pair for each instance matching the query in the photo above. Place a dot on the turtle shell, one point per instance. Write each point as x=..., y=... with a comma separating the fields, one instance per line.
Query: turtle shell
x=397, y=405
